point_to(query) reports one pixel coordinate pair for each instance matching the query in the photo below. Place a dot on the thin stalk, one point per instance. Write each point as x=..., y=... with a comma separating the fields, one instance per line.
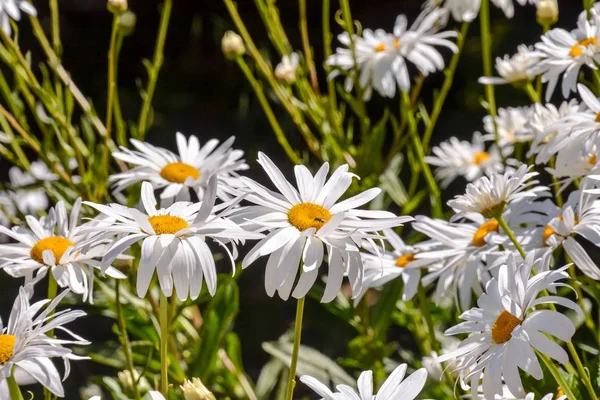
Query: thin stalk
x=120, y=125
x=260, y=95
x=331, y=95
x=112, y=73
x=56, y=45
x=583, y=375
x=13, y=388
x=448, y=80
x=306, y=46
x=557, y=376
x=424, y=307
x=52, y=292
x=511, y=235
x=533, y=95
x=125, y=339
x=486, y=54
x=155, y=68
x=297, y=336
x=435, y=196
x=164, y=344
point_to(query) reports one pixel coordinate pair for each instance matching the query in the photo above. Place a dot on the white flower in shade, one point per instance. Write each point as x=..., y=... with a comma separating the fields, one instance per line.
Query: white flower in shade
x=29, y=201
x=173, y=240
x=177, y=175
x=11, y=9
x=286, y=69
x=153, y=395
x=24, y=342
x=505, y=329
x=513, y=69
x=489, y=196
x=454, y=158
x=52, y=244
x=381, y=57
x=382, y=267
x=564, y=53
x=467, y=10
x=541, y=117
x=395, y=386
x=574, y=162
x=305, y=223
x=195, y=390
x=22, y=377
x=511, y=124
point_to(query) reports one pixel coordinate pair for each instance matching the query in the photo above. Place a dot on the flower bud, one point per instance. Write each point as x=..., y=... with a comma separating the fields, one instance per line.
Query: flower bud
x=127, y=381
x=127, y=23
x=547, y=12
x=117, y=7
x=232, y=45
x=286, y=69
x=195, y=390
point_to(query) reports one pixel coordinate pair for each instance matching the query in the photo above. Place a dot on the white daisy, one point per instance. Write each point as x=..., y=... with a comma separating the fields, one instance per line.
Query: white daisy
x=29, y=201
x=395, y=386
x=543, y=116
x=467, y=10
x=575, y=161
x=511, y=125
x=179, y=174
x=564, y=53
x=507, y=395
x=380, y=268
x=305, y=223
x=505, y=329
x=454, y=158
x=11, y=9
x=489, y=196
x=173, y=240
x=24, y=343
x=381, y=57
x=285, y=71
x=514, y=70
x=51, y=244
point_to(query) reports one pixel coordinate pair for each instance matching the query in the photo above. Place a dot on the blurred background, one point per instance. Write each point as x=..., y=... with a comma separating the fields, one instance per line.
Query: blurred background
x=200, y=92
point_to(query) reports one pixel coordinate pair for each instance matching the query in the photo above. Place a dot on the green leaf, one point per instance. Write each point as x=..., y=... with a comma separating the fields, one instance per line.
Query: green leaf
x=383, y=310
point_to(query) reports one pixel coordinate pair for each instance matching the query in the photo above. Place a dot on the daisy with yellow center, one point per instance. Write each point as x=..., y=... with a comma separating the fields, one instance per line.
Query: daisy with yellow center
x=305, y=223
x=173, y=240
x=506, y=328
x=26, y=345
x=52, y=244
x=177, y=175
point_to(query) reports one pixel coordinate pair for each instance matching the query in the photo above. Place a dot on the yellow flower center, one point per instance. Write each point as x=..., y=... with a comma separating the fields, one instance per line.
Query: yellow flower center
x=380, y=47
x=559, y=392
x=485, y=228
x=548, y=231
x=178, y=172
x=308, y=215
x=7, y=346
x=404, y=260
x=576, y=49
x=592, y=160
x=396, y=43
x=167, y=224
x=480, y=157
x=503, y=327
x=58, y=245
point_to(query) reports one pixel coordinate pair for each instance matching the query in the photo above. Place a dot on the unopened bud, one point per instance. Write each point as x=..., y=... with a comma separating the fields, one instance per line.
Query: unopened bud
x=117, y=7
x=232, y=45
x=127, y=23
x=286, y=69
x=128, y=381
x=547, y=12
x=195, y=390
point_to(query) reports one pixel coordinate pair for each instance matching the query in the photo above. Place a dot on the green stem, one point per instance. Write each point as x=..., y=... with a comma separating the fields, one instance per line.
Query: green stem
x=449, y=73
x=557, y=375
x=297, y=336
x=533, y=95
x=486, y=54
x=262, y=99
x=435, y=196
x=511, y=235
x=583, y=375
x=52, y=292
x=424, y=306
x=13, y=388
x=164, y=344
x=125, y=339
x=155, y=68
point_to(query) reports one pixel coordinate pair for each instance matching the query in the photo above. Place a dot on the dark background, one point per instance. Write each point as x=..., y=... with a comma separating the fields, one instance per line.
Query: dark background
x=200, y=92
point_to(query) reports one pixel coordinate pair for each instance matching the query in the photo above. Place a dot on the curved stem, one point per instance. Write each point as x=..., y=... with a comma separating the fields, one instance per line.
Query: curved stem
x=125, y=340
x=297, y=335
x=533, y=95
x=557, y=376
x=164, y=344
x=13, y=388
x=511, y=235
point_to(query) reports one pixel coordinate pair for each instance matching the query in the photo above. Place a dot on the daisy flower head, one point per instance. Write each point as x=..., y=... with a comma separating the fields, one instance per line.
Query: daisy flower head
x=305, y=222
x=541, y=117
x=489, y=196
x=179, y=174
x=381, y=57
x=51, y=244
x=24, y=342
x=468, y=10
x=514, y=70
x=564, y=53
x=173, y=240
x=29, y=201
x=505, y=329
x=285, y=71
x=511, y=125
x=395, y=386
x=11, y=9
x=454, y=158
